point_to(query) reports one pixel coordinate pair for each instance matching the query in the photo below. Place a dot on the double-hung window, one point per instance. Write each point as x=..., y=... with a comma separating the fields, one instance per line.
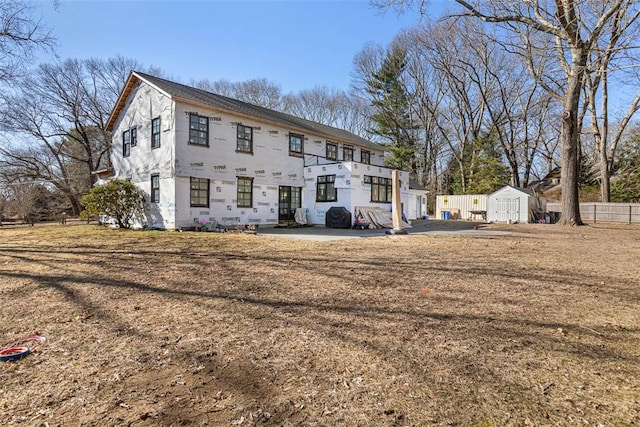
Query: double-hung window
x=134, y=137
x=347, y=154
x=198, y=130
x=381, y=189
x=245, y=192
x=155, y=133
x=325, y=189
x=332, y=151
x=245, y=139
x=199, y=192
x=365, y=157
x=126, y=143
x=296, y=144
x=155, y=188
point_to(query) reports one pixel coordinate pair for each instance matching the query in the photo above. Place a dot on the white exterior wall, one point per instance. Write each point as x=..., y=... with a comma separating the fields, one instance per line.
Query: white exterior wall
x=143, y=105
x=499, y=209
x=464, y=202
x=270, y=164
x=416, y=205
x=350, y=187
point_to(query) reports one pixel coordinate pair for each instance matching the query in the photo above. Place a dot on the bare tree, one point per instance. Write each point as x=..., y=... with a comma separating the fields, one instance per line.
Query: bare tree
x=260, y=92
x=57, y=117
x=612, y=55
x=575, y=27
x=21, y=34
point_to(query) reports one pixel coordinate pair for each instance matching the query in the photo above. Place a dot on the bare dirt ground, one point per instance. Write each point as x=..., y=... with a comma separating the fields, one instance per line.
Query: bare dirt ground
x=541, y=327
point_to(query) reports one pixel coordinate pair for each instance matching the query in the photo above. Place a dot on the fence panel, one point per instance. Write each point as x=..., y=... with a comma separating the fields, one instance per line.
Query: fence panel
x=628, y=213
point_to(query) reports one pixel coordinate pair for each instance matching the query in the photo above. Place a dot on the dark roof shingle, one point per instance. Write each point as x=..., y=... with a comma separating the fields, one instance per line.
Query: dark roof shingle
x=189, y=93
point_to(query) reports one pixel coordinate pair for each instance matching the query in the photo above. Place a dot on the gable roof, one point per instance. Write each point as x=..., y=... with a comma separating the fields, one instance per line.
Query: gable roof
x=190, y=95
x=527, y=191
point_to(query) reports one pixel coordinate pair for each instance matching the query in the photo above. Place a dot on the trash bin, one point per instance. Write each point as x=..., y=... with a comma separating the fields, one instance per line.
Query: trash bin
x=446, y=215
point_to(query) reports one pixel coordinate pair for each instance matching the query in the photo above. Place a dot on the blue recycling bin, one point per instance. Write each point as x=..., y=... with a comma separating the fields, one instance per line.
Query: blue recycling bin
x=446, y=215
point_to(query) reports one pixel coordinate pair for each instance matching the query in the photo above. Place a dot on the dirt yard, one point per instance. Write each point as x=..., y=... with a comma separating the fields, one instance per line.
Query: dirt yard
x=165, y=329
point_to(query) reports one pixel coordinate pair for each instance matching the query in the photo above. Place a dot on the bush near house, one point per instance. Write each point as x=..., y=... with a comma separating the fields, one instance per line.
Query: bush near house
x=118, y=199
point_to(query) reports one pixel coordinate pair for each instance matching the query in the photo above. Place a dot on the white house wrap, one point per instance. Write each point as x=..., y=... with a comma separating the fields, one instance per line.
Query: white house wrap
x=204, y=158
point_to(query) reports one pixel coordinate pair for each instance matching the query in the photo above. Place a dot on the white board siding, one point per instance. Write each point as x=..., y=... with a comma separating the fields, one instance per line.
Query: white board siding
x=464, y=202
x=511, y=204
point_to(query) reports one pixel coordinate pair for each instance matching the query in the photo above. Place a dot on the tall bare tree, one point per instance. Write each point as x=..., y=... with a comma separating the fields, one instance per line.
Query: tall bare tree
x=575, y=27
x=332, y=107
x=613, y=55
x=21, y=34
x=56, y=117
x=260, y=92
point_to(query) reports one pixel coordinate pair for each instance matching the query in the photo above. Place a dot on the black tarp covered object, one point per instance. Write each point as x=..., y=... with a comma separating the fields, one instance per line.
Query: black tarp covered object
x=337, y=217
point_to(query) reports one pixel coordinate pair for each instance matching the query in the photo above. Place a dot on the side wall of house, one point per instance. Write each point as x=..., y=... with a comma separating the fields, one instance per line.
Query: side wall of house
x=269, y=165
x=143, y=105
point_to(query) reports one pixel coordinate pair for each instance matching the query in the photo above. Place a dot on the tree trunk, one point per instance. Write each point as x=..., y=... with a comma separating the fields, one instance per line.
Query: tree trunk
x=605, y=182
x=570, y=140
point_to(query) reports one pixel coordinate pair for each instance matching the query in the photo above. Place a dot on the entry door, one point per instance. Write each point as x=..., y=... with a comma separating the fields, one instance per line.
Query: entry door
x=290, y=198
x=508, y=210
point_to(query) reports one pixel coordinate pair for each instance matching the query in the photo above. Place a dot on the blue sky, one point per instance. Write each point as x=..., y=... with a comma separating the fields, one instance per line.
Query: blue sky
x=297, y=44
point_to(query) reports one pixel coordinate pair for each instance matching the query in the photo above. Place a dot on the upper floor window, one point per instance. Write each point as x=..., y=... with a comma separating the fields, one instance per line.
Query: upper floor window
x=347, y=154
x=325, y=189
x=296, y=144
x=199, y=194
x=365, y=157
x=126, y=143
x=155, y=133
x=198, y=130
x=332, y=151
x=155, y=188
x=245, y=192
x=134, y=137
x=245, y=139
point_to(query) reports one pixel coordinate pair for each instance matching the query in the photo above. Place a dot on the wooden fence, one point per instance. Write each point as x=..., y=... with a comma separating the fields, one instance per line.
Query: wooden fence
x=628, y=213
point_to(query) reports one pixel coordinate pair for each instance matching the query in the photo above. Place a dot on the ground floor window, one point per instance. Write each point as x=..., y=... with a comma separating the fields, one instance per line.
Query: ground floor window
x=199, y=192
x=325, y=189
x=381, y=188
x=155, y=188
x=245, y=192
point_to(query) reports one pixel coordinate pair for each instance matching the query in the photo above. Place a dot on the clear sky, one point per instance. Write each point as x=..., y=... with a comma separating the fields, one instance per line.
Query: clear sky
x=297, y=44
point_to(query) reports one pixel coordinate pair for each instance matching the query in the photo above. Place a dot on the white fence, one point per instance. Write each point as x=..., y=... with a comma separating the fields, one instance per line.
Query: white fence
x=628, y=213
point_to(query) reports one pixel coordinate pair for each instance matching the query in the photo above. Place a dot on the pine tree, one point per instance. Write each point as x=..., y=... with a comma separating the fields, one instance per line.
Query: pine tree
x=485, y=168
x=393, y=121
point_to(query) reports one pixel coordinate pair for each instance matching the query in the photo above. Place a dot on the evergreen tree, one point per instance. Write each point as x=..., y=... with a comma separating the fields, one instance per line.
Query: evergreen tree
x=626, y=182
x=485, y=169
x=392, y=120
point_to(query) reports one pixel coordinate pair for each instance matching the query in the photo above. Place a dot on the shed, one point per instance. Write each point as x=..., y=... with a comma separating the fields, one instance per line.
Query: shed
x=461, y=206
x=512, y=204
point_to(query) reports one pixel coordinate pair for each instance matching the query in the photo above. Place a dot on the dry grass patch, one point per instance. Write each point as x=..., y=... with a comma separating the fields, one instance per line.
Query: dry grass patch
x=161, y=328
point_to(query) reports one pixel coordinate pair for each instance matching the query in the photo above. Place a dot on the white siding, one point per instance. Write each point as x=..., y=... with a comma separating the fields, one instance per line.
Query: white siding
x=270, y=165
x=510, y=204
x=143, y=105
x=464, y=202
x=351, y=189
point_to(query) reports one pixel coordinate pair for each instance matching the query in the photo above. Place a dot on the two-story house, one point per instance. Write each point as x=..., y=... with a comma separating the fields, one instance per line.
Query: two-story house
x=203, y=157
